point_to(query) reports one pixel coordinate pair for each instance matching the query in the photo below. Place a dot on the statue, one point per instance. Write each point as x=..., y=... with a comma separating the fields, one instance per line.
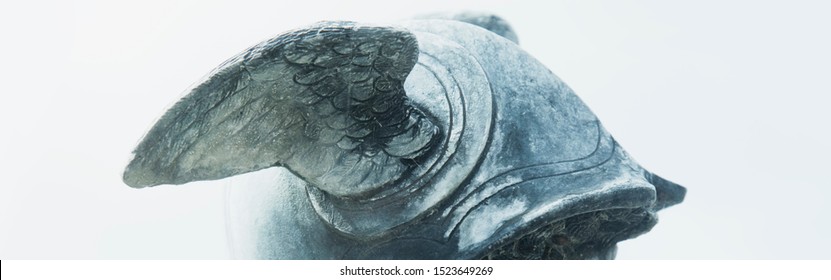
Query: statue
x=437, y=139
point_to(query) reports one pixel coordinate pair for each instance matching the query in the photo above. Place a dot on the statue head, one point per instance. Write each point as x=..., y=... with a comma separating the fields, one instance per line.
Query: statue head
x=435, y=139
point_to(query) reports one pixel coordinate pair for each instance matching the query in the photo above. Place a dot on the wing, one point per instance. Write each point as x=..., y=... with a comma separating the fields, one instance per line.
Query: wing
x=327, y=102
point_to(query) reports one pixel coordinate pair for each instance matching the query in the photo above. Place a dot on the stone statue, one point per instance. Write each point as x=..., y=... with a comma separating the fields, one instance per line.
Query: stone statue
x=436, y=139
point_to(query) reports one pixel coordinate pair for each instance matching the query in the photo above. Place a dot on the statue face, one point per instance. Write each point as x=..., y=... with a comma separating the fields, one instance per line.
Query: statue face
x=438, y=140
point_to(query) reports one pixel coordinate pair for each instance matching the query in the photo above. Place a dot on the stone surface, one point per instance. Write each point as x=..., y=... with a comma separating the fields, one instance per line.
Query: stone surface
x=491, y=22
x=435, y=140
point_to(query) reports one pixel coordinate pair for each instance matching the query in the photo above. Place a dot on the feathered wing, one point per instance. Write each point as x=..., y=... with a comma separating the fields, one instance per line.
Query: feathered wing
x=327, y=102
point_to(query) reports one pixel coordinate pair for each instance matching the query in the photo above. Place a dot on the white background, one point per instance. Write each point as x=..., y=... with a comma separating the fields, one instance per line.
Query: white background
x=728, y=98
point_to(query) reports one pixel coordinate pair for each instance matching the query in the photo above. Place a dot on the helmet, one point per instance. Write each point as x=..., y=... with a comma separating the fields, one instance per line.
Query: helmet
x=435, y=139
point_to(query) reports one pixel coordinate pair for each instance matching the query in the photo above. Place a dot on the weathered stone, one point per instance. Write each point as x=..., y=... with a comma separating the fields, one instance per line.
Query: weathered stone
x=436, y=140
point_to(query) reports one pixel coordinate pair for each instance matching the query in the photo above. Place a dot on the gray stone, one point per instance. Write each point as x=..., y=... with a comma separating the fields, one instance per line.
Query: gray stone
x=491, y=22
x=436, y=139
